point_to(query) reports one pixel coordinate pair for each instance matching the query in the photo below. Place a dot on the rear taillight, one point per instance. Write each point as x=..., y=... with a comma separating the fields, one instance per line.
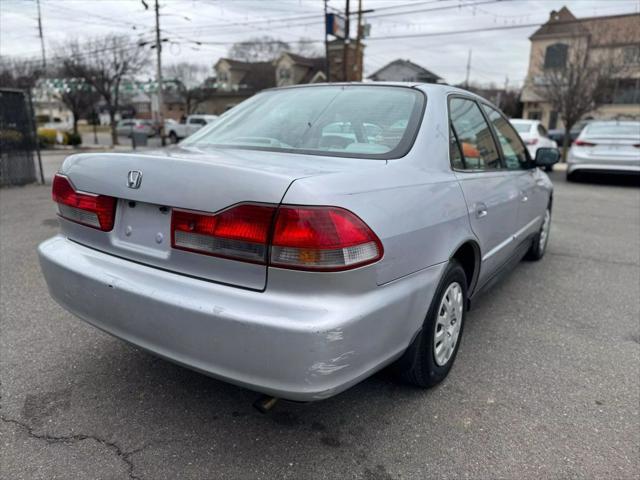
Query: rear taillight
x=304, y=238
x=240, y=232
x=582, y=143
x=531, y=141
x=96, y=211
x=322, y=238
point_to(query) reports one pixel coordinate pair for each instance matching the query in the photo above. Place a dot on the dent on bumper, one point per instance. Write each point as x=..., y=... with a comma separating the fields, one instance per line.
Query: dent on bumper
x=298, y=346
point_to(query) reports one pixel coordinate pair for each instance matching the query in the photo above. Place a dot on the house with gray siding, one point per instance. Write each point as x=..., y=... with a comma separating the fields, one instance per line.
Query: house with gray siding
x=404, y=71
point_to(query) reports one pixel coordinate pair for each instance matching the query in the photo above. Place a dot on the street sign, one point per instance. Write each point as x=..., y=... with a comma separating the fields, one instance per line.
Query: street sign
x=335, y=25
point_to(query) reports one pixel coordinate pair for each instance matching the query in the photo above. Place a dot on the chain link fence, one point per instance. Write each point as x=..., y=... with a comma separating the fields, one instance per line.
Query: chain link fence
x=18, y=139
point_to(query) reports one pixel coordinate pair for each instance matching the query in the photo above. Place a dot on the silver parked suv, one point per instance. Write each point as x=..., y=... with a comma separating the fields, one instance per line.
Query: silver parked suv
x=310, y=237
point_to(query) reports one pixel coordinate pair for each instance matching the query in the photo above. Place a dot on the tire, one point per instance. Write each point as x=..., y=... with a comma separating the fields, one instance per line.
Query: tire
x=571, y=177
x=173, y=138
x=421, y=364
x=548, y=168
x=541, y=239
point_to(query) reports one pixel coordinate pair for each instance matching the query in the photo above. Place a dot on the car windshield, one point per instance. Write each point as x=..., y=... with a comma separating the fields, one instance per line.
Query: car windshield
x=522, y=127
x=627, y=129
x=351, y=121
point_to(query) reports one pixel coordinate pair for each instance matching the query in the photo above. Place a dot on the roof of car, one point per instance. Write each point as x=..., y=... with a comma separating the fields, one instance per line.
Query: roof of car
x=434, y=88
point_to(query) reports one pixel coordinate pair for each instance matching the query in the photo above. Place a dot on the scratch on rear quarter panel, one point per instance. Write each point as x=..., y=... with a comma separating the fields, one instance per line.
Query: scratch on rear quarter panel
x=334, y=335
x=333, y=365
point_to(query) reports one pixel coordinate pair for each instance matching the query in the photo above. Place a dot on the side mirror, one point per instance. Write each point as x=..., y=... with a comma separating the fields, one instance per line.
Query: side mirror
x=545, y=157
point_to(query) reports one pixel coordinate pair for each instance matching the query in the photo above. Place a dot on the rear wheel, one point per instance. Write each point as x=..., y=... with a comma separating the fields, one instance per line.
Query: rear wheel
x=429, y=358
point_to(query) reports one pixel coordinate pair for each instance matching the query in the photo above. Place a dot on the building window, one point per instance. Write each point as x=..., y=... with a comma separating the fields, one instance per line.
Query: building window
x=555, y=56
x=284, y=73
x=626, y=91
x=553, y=119
x=534, y=115
x=631, y=55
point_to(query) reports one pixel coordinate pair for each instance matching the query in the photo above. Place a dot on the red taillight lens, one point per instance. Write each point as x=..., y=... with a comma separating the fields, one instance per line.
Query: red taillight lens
x=96, y=211
x=241, y=232
x=582, y=143
x=304, y=238
x=322, y=238
x=531, y=141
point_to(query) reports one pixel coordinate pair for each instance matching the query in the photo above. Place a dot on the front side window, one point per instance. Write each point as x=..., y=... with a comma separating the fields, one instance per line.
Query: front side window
x=513, y=150
x=350, y=121
x=474, y=135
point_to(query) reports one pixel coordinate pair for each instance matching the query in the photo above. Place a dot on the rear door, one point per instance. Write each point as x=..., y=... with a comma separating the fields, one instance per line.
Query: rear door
x=489, y=190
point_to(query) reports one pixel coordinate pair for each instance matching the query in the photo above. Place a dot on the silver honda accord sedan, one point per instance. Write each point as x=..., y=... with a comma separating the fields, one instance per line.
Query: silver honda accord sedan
x=310, y=237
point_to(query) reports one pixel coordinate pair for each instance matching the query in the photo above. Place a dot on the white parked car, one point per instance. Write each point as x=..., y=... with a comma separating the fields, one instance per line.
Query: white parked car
x=534, y=135
x=606, y=146
x=176, y=131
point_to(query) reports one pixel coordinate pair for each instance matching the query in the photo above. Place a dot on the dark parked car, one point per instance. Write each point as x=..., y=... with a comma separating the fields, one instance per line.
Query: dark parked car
x=557, y=134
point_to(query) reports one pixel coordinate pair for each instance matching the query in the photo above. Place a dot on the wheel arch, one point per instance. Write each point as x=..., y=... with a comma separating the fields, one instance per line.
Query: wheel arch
x=468, y=255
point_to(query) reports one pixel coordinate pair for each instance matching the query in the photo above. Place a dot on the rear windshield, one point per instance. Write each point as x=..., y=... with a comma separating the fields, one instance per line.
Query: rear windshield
x=348, y=121
x=521, y=127
x=615, y=129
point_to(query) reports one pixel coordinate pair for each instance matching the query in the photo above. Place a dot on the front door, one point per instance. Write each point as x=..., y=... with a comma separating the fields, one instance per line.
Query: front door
x=528, y=179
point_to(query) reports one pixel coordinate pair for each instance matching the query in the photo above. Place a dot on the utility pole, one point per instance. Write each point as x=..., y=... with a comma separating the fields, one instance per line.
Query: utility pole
x=44, y=60
x=466, y=81
x=346, y=44
x=359, y=37
x=159, y=76
x=327, y=72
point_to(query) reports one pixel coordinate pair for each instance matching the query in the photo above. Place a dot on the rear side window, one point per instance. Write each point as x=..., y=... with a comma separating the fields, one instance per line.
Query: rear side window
x=455, y=155
x=513, y=150
x=474, y=136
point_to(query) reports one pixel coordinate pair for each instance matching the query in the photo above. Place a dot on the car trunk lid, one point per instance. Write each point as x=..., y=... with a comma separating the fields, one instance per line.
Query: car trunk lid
x=148, y=186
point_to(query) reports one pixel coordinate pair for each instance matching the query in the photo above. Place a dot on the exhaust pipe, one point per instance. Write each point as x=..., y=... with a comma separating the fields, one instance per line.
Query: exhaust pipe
x=265, y=403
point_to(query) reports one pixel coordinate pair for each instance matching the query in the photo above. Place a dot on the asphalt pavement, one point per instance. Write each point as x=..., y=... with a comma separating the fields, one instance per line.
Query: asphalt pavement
x=546, y=384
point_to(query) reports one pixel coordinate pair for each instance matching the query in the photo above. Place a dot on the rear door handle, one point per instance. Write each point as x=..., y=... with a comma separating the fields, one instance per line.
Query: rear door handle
x=481, y=210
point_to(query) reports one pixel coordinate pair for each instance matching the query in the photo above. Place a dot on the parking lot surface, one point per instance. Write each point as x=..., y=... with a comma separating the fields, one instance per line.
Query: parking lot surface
x=546, y=383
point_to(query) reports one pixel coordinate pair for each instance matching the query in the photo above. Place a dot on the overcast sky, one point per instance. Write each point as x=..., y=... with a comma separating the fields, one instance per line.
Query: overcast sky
x=497, y=54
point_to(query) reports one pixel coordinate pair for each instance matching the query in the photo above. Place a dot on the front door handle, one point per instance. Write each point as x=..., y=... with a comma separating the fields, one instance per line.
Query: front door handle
x=523, y=196
x=481, y=210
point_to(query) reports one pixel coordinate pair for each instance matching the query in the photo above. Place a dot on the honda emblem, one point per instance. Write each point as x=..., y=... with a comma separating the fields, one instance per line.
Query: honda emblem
x=134, y=179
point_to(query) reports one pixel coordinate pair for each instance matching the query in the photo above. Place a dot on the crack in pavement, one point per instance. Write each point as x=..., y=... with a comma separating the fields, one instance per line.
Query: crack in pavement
x=125, y=455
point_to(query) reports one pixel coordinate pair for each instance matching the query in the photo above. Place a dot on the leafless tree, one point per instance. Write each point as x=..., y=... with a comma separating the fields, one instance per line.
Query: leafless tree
x=79, y=97
x=21, y=73
x=103, y=63
x=189, y=78
x=307, y=48
x=578, y=84
x=258, y=49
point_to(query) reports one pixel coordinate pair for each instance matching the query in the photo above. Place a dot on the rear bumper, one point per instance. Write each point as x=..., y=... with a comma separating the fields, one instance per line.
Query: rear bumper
x=577, y=162
x=291, y=344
